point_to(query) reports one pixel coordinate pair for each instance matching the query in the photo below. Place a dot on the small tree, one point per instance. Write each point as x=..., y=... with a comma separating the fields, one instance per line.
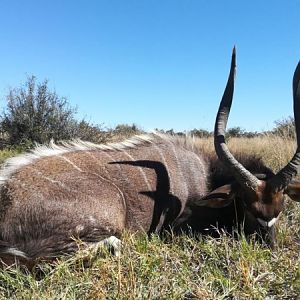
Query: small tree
x=36, y=114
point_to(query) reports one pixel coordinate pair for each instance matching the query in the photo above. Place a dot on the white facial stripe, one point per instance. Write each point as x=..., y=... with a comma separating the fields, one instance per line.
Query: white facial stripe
x=267, y=224
x=272, y=222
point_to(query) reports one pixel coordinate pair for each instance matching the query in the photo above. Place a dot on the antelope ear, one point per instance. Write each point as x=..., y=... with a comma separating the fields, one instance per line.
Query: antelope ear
x=218, y=198
x=293, y=190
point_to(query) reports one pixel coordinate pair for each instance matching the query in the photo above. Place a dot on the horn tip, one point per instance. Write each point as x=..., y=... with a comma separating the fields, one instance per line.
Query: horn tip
x=233, y=58
x=234, y=54
x=234, y=50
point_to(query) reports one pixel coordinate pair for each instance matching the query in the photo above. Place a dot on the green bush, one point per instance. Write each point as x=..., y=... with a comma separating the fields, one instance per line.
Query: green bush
x=35, y=114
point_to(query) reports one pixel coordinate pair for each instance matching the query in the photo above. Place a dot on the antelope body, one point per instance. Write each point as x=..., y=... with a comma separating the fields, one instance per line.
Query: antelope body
x=89, y=193
x=148, y=183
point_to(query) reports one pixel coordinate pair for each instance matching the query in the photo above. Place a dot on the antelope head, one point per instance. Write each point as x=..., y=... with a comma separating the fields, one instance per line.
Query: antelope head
x=262, y=196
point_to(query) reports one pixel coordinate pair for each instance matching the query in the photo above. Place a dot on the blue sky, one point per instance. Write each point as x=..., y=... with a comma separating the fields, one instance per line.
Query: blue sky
x=159, y=64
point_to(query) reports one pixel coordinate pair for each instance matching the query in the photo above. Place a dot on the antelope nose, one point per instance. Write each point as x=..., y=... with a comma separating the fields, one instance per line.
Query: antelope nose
x=267, y=223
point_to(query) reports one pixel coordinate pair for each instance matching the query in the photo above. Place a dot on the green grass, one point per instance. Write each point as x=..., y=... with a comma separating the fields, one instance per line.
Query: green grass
x=178, y=267
x=4, y=154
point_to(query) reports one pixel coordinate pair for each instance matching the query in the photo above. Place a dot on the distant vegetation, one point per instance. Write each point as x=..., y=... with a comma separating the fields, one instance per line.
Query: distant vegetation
x=35, y=114
x=283, y=128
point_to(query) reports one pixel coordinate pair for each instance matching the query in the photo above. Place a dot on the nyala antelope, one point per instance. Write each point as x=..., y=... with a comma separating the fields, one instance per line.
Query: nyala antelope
x=56, y=194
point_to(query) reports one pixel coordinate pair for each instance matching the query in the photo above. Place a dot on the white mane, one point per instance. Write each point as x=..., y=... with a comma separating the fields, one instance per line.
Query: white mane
x=12, y=164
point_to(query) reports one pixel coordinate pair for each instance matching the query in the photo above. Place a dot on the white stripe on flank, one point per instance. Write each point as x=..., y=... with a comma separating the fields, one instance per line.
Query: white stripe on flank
x=106, y=179
x=111, y=159
x=50, y=179
x=103, y=166
x=166, y=165
x=113, y=184
x=141, y=170
x=161, y=155
x=98, y=175
x=77, y=168
x=71, y=163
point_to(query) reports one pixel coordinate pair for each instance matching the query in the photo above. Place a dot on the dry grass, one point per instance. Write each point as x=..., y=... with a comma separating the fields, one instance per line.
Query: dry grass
x=274, y=150
x=180, y=267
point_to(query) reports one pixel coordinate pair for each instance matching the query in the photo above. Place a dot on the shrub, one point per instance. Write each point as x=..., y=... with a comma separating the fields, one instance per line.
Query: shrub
x=123, y=131
x=285, y=128
x=36, y=114
x=90, y=132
